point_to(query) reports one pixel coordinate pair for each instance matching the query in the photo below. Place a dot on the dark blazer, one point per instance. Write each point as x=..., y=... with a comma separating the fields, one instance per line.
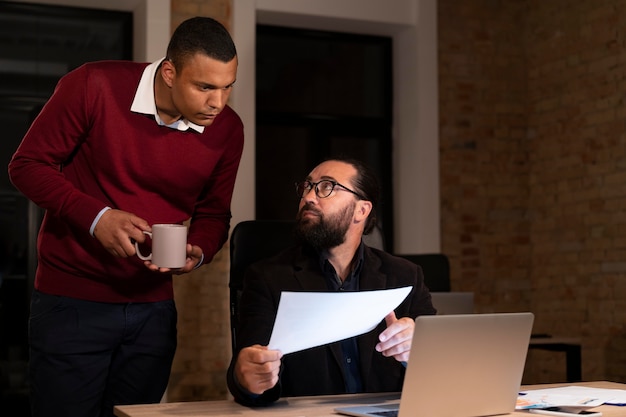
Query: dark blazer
x=319, y=371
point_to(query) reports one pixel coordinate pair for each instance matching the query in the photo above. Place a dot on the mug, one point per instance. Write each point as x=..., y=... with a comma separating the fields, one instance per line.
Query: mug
x=169, y=246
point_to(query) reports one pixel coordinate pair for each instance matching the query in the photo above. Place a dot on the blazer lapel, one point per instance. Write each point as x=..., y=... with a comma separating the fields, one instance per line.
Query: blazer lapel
x=307, y=273
x=372, y=278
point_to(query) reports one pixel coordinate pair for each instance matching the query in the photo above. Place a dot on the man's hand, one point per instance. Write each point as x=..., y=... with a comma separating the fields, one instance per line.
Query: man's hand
x=194, y=255
x=116, y=230
x=257, y=368
x=396, y=339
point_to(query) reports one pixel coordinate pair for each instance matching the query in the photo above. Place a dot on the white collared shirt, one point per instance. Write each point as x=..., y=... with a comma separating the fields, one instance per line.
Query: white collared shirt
x=145, y=102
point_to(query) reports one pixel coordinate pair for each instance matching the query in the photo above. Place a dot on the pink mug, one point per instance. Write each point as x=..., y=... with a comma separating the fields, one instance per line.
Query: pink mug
x=169, y=246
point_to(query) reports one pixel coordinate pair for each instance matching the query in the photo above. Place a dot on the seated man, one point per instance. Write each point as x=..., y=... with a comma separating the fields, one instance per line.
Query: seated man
x=337, y=207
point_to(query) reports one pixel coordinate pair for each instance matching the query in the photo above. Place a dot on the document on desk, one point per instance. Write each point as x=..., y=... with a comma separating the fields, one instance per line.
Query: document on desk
x=574, y=395
x=308, y=319
x=573, y=402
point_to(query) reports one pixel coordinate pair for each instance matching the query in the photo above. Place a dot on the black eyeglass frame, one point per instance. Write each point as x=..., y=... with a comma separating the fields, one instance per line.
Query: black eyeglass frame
x=306, y=190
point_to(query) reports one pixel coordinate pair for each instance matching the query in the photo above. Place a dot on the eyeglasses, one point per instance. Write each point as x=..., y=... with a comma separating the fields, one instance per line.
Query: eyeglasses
x=323, y=188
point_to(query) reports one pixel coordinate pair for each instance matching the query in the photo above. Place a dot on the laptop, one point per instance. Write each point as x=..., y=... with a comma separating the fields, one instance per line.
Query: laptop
x=461, y=365
x=453, y=302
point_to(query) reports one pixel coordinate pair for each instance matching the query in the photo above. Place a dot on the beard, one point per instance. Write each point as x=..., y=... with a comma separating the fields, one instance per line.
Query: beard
x=326, y=232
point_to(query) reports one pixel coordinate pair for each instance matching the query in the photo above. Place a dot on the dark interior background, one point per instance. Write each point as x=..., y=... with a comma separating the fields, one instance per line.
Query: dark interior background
x=38, y=45
x=320, y=94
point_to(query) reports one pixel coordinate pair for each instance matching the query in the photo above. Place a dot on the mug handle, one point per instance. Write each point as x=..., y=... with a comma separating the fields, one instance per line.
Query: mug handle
x=143, y=258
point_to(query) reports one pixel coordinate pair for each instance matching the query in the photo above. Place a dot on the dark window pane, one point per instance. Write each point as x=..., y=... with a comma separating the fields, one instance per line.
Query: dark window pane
x=38, y=45
x=323, y=73
x=320, y=95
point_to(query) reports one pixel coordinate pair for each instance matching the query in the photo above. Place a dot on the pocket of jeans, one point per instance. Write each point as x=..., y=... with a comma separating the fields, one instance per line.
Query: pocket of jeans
x=52, y=324
x=42, y=304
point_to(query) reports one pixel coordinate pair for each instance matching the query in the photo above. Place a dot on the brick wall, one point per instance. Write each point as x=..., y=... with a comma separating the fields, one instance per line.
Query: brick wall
x=576, y=72
x=484, y=151
x=533, y=168
x=485, y=160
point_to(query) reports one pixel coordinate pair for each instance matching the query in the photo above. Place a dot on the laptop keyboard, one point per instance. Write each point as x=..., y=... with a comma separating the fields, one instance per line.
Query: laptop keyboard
x=390, y=413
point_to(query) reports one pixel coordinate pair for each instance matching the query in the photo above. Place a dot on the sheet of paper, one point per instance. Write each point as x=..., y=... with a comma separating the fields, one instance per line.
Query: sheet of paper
x=544, y=400
x=309, y=319
x=575, y=395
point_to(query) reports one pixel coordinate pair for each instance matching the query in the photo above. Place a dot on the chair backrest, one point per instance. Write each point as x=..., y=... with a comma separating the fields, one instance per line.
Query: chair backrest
x=436, y=268
x=251, y=241
x=375, y=239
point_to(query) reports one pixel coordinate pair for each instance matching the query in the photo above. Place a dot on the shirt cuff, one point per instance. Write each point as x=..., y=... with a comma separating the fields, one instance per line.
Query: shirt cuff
x=95, y=221
x=199, y=264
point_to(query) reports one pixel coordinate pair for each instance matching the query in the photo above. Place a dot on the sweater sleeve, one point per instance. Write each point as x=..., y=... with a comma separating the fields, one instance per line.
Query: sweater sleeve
x=36, y=168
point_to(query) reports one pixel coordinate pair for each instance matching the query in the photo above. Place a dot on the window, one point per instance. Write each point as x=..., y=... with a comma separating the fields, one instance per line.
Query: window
x=39, y=44
x=319, y=95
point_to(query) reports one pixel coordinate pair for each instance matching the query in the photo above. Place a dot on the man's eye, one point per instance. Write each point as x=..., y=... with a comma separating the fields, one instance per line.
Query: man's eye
x=327, y=187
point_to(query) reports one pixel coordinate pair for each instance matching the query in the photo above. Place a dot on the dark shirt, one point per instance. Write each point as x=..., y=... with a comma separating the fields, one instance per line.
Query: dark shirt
x=349, y=346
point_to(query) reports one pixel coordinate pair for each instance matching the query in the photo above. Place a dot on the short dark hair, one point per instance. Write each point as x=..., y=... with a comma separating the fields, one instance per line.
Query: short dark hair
x=200, y=35
x=366, y=184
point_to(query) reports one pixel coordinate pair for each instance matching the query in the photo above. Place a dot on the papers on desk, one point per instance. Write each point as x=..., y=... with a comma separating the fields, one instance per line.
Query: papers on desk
x=574, y=398
x=308, y=319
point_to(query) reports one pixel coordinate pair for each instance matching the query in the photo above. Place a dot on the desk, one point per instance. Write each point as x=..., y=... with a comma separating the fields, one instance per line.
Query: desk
x=321, y=406
x=570, y=346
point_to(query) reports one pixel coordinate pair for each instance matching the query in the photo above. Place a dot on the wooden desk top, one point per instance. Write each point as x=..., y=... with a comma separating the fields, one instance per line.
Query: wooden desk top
x=320, y=406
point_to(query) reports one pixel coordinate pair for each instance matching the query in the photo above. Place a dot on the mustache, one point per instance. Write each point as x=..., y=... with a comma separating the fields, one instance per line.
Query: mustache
x=308, y=207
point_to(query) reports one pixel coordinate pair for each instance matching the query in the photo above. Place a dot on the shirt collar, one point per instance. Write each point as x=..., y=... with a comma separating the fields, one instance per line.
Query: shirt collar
x=145, y=102
x=352, y=281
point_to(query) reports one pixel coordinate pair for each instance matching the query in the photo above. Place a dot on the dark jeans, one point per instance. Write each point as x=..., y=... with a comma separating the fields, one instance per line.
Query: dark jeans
x=86, y=357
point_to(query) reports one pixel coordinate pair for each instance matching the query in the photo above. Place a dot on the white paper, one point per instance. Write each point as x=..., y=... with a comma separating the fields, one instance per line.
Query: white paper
x=554, y=399
x=574, y=395
x=309, y=319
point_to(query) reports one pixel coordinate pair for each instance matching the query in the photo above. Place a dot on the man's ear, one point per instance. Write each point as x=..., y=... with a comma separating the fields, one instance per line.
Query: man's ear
x=168, y=72
x=363, y=210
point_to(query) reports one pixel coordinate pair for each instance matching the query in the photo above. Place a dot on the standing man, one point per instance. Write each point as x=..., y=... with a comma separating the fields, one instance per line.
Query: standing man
x=119, y=147
x=337, y=207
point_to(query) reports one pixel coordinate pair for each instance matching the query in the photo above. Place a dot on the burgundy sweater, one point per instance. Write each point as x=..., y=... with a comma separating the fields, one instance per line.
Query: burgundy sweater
x=86, y=150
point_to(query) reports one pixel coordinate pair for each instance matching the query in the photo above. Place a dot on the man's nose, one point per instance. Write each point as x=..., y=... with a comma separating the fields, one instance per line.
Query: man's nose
x=217, y=98
x=310, y=195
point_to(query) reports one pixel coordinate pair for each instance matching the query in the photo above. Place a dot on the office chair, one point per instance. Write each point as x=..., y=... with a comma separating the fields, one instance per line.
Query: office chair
x=251, y=241
x=375, y=239
x=436, y=268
